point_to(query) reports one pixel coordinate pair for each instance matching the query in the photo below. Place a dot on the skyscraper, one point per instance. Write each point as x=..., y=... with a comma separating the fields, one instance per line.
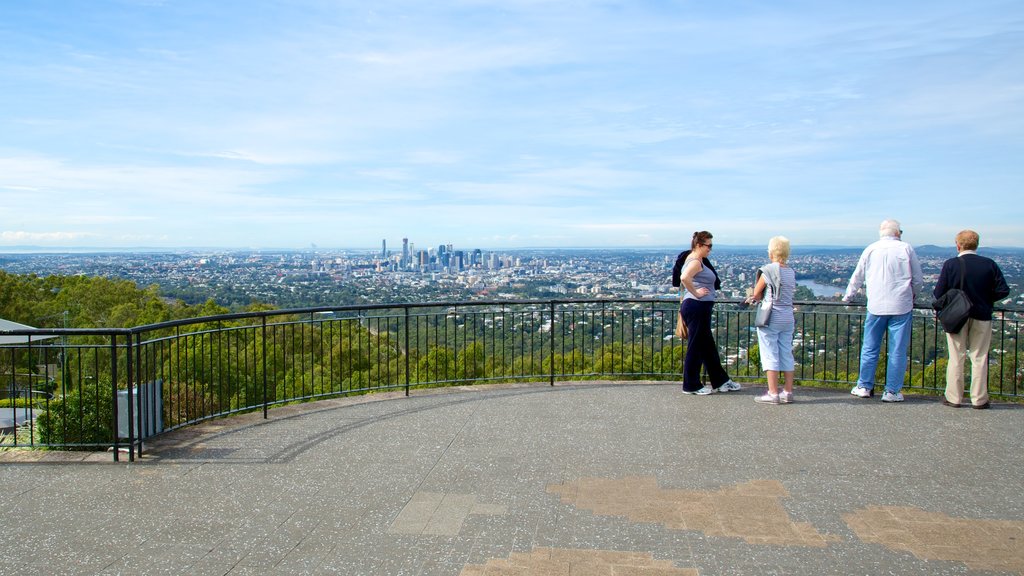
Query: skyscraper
x=443, y=256
x=384, y=248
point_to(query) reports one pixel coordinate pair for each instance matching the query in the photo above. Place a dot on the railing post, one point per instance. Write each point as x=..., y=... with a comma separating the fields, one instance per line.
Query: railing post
x=682, y=341
x=130, y=400
x=551, y=354
x=28, y=415
x=406, y=308
x=113, y=391
x=145, y=396
x=263, y=341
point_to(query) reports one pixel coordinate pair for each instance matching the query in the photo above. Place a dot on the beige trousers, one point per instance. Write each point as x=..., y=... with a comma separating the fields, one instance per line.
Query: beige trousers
x=973, y=341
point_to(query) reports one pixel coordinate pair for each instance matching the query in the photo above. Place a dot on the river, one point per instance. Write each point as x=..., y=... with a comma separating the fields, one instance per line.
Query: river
x=821, y=290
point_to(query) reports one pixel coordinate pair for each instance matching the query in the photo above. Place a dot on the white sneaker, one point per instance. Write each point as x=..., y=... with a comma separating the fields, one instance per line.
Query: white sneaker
x=707, y=389
x=729, y=386
x=861, y=392
x=768, y=398
x=785, y=397
x=890, y=397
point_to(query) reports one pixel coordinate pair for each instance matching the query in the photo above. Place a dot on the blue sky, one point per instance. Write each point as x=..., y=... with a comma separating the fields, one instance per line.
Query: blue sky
x=519, y=123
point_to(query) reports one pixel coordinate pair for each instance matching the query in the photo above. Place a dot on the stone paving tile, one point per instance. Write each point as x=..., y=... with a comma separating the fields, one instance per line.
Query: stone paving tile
x=559, y=562
x=434, y=513
x=980, y=544
x=750, y=510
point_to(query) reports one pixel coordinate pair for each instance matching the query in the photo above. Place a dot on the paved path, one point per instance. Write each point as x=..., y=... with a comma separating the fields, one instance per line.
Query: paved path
x=602, y=479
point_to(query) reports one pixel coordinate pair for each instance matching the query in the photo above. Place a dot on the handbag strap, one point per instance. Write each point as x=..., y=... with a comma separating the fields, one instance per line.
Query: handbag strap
x=963, y=271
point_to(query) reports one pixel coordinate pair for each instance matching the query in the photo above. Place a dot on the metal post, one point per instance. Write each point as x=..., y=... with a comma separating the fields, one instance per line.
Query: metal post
x=146, y=400
x=113, y=392
x=264, y=344
x=131, y=402
x=551, y=354
x=15, y=396
x=406, y=308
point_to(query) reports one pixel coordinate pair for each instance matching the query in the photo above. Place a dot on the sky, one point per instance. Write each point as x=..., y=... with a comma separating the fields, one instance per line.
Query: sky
x=508, y=124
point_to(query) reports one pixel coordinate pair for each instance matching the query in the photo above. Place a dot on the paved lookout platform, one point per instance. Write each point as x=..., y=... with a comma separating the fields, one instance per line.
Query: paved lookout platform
x=576, y=479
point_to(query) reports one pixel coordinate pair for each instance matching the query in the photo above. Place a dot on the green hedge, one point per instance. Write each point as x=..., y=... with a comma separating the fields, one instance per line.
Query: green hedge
x=75, y=419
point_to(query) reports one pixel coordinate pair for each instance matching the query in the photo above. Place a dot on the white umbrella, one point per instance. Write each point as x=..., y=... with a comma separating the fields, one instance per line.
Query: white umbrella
x=6, y=339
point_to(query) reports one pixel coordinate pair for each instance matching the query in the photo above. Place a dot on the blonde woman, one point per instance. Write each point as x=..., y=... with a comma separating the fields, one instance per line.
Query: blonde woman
x=777, y=281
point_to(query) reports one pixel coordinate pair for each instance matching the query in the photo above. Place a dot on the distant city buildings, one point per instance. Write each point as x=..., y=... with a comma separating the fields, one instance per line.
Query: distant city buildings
x=326, y=277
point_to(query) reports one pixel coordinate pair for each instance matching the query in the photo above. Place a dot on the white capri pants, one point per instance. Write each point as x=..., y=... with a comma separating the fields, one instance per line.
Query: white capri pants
x=776, y=344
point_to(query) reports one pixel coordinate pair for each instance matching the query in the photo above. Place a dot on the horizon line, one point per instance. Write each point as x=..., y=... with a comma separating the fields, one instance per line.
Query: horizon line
x=22, y=249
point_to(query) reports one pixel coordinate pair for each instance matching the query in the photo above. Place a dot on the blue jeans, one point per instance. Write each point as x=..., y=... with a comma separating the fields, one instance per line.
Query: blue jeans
x=899, y=338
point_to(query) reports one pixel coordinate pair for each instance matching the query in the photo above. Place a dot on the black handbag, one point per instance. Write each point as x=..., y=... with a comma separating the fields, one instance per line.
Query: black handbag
x=954, y=307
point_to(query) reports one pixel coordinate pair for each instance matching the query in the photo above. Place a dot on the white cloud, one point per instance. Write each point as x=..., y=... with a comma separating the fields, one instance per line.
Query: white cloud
x=745, y=157
x=394, y=174
x=18, y=236
x=436, y=157
x=440, y=59
x=523, y=194
x=64, y=181
x=628, y=227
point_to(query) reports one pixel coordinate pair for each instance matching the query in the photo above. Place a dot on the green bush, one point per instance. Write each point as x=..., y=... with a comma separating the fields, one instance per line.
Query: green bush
x=75, y=420
x=19, y=403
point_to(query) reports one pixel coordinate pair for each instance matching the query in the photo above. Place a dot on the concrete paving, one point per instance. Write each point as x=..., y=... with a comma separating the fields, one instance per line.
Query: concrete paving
x=580, y=478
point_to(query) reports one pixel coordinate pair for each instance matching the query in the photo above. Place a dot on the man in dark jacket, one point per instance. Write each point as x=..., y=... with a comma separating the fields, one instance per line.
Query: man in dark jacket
x=984, y=285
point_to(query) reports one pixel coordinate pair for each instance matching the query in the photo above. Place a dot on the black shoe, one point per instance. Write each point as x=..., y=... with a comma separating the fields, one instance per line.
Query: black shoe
x=984, y=406
x=950, y=404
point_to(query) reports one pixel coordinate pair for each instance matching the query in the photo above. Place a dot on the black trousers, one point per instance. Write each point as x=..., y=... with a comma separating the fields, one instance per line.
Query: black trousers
x=701, y=349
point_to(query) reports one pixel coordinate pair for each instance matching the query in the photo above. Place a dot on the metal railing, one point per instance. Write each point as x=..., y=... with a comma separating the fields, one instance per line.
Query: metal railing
x=116, y=388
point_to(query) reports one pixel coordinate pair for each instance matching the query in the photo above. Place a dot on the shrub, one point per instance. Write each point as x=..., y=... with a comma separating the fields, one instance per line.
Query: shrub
x=18, y=402
x=74, y=420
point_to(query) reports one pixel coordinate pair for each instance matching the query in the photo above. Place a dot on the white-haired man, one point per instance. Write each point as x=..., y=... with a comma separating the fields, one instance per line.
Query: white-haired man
x=892, y=273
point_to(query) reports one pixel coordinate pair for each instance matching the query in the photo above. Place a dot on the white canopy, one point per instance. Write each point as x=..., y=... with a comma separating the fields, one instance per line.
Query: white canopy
x=6, y=339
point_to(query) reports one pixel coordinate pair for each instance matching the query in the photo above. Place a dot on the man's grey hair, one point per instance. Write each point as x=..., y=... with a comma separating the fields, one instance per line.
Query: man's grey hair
x=890, y=228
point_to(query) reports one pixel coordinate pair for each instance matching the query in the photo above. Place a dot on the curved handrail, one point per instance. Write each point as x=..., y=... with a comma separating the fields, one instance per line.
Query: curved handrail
x=125, y=331
x=176, y=373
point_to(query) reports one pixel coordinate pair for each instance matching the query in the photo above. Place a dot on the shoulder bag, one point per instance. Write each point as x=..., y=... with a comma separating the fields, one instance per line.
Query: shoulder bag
x=681, y=331
x=954, y=307
x=763, y=315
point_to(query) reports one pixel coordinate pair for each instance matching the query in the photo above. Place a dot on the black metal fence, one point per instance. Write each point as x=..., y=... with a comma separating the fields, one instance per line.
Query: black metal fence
x=114, y=389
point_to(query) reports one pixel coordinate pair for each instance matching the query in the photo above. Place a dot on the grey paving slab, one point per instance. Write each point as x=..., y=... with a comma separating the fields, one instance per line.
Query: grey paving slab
x=533, y=479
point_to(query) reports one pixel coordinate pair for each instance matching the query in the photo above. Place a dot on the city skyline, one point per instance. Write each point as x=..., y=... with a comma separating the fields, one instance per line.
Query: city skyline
x=291, y=279
x=521, y=124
